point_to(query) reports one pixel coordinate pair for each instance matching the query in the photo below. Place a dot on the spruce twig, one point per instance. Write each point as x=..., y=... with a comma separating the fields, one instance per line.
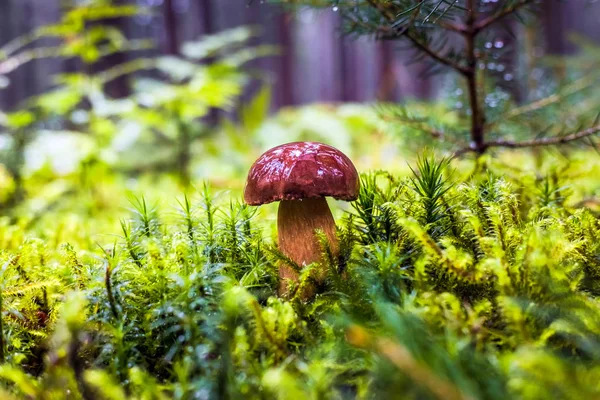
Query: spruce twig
x=389, y=17
x=546, y=141
x=483, y=24
x=549, y=141
x=435, y=55
x=575, y=87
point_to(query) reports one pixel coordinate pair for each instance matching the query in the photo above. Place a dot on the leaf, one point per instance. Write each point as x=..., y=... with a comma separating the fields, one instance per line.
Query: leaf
x=105, y=384
x=211, y=45
x=178, y=69
x=59, y=101
x=24, y=383
x=100, y=12
x=243, y=56
x=283, y=384
x=20, y=119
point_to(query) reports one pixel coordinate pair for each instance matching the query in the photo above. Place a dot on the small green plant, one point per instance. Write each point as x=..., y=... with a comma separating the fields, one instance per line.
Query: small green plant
x=168, y=112
x=158, y=128
x=77, y=39
x=462, y=36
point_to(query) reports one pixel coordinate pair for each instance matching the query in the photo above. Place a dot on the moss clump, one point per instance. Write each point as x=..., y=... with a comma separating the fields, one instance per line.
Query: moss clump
x=483, y=287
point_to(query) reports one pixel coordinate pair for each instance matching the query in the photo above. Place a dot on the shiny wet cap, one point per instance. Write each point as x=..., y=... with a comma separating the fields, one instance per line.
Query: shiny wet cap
x=301, y=170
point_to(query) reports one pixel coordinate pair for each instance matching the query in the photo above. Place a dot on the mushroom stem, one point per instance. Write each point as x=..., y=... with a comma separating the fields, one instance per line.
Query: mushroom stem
x=297, y=221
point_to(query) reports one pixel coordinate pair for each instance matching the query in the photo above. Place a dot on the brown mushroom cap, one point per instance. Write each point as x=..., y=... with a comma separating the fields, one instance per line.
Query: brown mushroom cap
x=301, y=170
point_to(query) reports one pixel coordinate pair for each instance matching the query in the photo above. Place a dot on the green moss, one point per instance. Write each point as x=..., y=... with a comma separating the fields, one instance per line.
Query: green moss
x=478, y=287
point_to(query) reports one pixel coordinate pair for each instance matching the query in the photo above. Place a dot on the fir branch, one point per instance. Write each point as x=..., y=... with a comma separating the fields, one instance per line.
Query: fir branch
x=436, y=55
x=511, y=144
x=410, y=35
x=451, y=26
x=399, y=114
x=571, y=89
x=454, y=27
x=422, y=125
x=469, y=71
x=387, y=14
x=481, y=25
x=546, y=141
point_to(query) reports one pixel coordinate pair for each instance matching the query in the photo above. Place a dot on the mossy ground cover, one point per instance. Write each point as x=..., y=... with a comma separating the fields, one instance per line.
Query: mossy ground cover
x=454, y=281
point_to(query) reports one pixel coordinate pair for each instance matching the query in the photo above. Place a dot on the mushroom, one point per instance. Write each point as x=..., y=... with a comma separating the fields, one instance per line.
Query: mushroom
x=300, y=175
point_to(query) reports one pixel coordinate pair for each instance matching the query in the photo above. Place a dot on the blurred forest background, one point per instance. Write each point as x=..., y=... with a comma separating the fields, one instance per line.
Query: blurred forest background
x=316, y=64
x=100, y=91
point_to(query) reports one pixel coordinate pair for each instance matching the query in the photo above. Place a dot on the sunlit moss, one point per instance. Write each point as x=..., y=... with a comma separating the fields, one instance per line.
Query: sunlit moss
x=481, y=286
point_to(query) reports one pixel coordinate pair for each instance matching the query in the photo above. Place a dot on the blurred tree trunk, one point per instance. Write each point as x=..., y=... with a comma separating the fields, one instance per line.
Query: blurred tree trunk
x=117, y=88
x=553, y=31
x=206, y=16
x=15, y=22
x=347, y=67
x=386, y=74
x=26, y=23
x=285, y=68
x=69, y=65
x=171, y=44
x=183, y=127
x=5, y=36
